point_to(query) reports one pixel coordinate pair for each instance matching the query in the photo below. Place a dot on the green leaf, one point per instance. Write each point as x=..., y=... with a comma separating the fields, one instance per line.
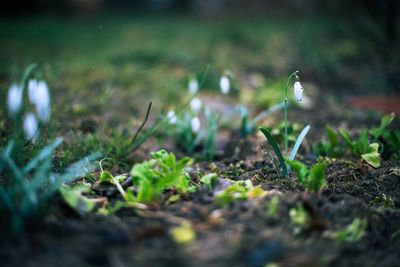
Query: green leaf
x=372, y=157
x=230, y=194
x=361, y=145
x=385, y=122
x=353, y=232
x=346, y=137
x=277, y=151
x=300, y=169
x=158, y=174
x=332, y=136
x=106, y=176
x=209, y=180
x=73, y=196
x=316, y=179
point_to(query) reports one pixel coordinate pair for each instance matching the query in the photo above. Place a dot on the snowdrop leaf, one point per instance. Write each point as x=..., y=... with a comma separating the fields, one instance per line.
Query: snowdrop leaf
x=277, y=151
x=299, y=141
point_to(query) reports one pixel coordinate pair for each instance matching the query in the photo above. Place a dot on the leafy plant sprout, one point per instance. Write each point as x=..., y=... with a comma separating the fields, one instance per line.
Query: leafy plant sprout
x=298, y=91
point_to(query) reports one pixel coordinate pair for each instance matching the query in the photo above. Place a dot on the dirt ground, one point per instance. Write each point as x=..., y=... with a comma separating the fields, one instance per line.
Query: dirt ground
x=240, y=234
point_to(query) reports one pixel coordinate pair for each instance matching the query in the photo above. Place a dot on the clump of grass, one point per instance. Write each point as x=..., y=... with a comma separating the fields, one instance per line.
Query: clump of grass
x=28, y=182
x=370, y=144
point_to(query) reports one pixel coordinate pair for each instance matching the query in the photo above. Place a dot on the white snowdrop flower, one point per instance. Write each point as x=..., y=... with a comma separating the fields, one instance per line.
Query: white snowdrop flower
x=172, y=119
x=196, y=104
x=193, y=86
x=195, y=124
x=14, y=98
x=30, y=126
x=225, y=84
x=42, y=101
x=298, y=91
x=32, y=89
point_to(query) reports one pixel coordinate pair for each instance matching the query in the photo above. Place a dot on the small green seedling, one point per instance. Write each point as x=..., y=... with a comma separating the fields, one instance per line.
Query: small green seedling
x=209, y=180
x=106, y=176
x=380, y=131
x=232, y=193
x=331, y=147
x=162, y=172
x=272, y=207
x=74, y=196
x=372, y=156
x=238, y=191
x=353, y=232
x=361, y=147
x=313, y=179
x=299, y=218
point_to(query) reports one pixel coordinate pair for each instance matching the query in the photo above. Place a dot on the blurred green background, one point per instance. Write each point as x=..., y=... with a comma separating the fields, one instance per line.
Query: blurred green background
x=105, y=60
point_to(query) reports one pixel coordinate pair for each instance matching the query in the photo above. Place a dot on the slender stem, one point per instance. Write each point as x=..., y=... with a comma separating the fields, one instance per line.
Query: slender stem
x=142, y=125
x=285, y=114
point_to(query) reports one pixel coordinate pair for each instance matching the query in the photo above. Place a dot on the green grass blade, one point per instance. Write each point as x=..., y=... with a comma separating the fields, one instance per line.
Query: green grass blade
x=299, y=140
x=277, y=151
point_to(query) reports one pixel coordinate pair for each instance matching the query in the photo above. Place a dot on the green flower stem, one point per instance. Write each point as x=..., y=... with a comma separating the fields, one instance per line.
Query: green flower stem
x=294, y=74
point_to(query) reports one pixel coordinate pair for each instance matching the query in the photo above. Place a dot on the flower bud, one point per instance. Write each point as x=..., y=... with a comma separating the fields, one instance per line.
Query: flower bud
x=32, y=89
x=195, y=124
x=42, y=101
x=298, y=91
x=224, y=84
x=172, y=119
x=193, y=86
x=14, y=98
x=30, y=126
x=196, y=104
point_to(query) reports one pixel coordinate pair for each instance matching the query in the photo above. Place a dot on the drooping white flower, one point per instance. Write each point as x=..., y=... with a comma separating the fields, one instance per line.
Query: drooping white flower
x=195, y=124
x=32, y=89
x=42, y=101
x=172, y=119
x=193, y=86
x=298, y=90
x=225, y=84
x=14, y=98
x=196, y=104
x=30, y=126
